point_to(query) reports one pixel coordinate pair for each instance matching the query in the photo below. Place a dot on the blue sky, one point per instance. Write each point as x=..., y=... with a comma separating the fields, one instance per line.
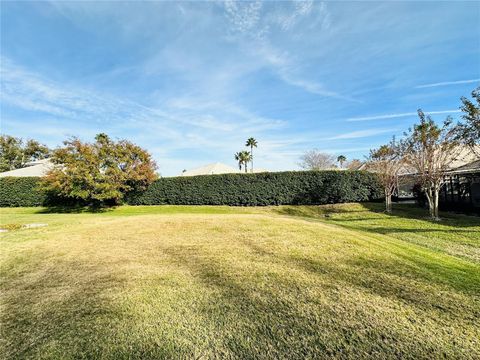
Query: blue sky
x=191, y=81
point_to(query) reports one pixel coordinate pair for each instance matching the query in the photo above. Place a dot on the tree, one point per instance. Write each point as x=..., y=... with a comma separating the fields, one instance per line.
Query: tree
x=238, y=157
x=341, y=159
x=429, y=149
x=468, y=132
x=101, y=172
x=354, y=164
x=316, y=160
x=243, y=158
x=15, y=152
x=33, y=150
x=252, y=143
x=387, y=163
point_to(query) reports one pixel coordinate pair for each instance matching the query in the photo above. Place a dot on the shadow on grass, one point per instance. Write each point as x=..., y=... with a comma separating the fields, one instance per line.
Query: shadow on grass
x=416, y=265
x=412, y=211
x=66, y=311
x=276, y=317
x=265, y=325
x=390, y=230
x=366, y=213
x=74, y=209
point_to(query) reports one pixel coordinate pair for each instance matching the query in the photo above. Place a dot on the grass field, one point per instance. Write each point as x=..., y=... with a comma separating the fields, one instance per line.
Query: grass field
x=343, y=281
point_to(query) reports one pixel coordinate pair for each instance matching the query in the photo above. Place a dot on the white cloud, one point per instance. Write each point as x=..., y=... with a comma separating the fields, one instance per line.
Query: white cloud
x=446, y=83
x=398, y=115
x=301, y=9
x=361, y=134
x=243, y=16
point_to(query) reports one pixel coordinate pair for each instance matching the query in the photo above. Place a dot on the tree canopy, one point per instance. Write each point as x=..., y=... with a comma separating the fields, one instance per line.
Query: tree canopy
x=387, y=162
x=341, y=159
x=317, y=160
x=243, y=157
x=16, y=152
x=429, y=148
x=101, y=172
x=468, y=131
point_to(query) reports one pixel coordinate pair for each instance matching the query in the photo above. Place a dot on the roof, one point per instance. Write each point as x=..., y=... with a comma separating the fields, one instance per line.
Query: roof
x=464, y=160
x=218, y=168
x=211, y=169
x=472, y=167
x=464, y=157
x=32, y=168
x=258, y=170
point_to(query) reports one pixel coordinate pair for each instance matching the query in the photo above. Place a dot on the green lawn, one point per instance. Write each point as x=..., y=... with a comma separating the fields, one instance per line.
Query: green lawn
x=290, y=282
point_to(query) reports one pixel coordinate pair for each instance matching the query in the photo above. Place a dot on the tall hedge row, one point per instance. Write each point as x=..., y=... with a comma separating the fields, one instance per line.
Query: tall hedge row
x=276, y=188
x=21, y=191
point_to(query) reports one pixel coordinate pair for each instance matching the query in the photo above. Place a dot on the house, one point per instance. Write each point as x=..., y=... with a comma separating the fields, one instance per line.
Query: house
x=210, y=169
x=32, y=168
x=215, y=169
x=462, y=188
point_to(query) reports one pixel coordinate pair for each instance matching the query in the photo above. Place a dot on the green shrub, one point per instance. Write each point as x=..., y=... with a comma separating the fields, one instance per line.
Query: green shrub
x=276, y=188
x=21, y=191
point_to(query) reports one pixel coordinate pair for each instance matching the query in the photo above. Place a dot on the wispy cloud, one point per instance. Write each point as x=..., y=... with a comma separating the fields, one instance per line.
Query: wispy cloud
x=191, y=81
x=178, y=124
x=244, y=16
x=361, y=134
x=446, y=83
x=399, y=115
x=247, y=21
x=301, y=9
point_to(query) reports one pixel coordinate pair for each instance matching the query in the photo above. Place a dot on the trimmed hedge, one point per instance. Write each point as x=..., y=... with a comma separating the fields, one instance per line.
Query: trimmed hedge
x=21, y=191
x=276, y=188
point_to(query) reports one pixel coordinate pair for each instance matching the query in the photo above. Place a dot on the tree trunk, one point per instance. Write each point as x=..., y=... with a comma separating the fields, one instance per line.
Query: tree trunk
x=431, y=207
x=251, y=153
x=388, y=202
x=435, y=204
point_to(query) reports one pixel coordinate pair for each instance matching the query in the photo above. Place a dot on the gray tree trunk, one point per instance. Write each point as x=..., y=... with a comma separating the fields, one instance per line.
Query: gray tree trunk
x=388, y=203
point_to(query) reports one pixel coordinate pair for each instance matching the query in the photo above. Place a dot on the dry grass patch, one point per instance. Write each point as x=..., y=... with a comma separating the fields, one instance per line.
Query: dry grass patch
x=166, y=284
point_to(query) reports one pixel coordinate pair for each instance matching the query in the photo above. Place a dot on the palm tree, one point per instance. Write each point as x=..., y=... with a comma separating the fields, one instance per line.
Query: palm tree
x=238, y=157
x=252, y=143
x=245, y=157
x=341, y=159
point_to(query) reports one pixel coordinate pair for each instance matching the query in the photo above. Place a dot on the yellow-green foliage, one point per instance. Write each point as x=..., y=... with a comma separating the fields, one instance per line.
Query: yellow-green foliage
x=101, y=172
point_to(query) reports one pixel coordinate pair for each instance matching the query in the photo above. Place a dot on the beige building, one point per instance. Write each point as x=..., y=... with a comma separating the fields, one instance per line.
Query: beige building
x=216, y=169
x=33, y=168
